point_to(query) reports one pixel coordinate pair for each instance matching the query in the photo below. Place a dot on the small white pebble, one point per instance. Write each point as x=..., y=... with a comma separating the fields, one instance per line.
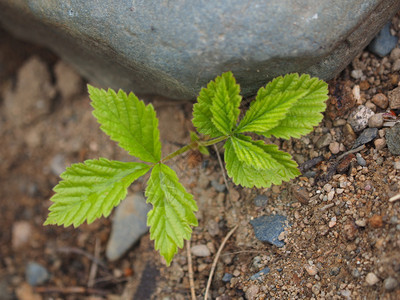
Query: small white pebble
x=311, y=270
x=332, y=222
x=331, y=194
x=200, y=251
x=396, y=165
x=327, y=187
x=371, y=279
x=339, y=191
x=361, y=222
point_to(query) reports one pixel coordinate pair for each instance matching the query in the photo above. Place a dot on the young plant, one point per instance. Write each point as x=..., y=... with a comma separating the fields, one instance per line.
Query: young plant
x=286, y=107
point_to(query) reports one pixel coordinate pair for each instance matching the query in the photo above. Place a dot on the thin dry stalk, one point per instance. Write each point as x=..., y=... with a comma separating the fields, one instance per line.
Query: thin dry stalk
x=223, y=173
x=93, y=268
x=190, y=269
x=214, y=264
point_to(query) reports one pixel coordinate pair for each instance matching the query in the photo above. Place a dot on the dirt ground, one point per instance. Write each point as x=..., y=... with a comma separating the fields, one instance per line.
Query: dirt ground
x=344, y=238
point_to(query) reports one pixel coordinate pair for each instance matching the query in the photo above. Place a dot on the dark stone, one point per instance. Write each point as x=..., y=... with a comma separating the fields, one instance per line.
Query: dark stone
x=36, y=274
x=148, y=282
x=384, y=42
x=227, y=277
x=261, y=200
x=258, y=275
x=219, y=187
x=365, y=137
x=393, y=139
x=268, y=228
x=173, y=48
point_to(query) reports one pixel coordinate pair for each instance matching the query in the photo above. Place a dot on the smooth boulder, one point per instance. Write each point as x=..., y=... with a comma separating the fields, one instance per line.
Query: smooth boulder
x=173, y=48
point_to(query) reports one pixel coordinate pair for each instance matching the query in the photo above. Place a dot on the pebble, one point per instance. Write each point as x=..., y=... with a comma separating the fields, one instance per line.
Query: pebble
x=212, y=227
x=380, y=144
x=371, y=279
x=331, y=195
x=200, y=251
x=350, y=231
x=311, y=270
x=396, y=65
x=69, y=82
x=339, y=122
x=334, y=271
x=268, y=228
x=227, y=277
x=383, y=43
x=358, y=118
x=394, y=98
x=380, y=100
x=349, y=135
x=327, y=187
x=376, y=121
x=36, y=274
x=357, y=74
x=252, y=292
x=57, y=165
x=219, y=187
x=393, y=139
x=261, y=200
x=365, y=137
x=361, y=222
x=395, y=54
x=334, y=147
x=361, y=161
x=21, y=234
x=390, y=284
x=300, y=194
x=332, y=222
x=128, y=225
x=396, y=165
x=375, y=221
x=258, y=275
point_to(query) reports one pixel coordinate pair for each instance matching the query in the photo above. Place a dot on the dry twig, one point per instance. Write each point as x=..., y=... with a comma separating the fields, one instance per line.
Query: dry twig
x=93, y=268
x=190, y=269
x=70, y=290
x=394, y=198
x=214, y=264
x=223, y=172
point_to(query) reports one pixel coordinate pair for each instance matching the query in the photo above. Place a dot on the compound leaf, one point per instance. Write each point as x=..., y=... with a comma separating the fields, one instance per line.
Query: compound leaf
x=172, y=213
x=304, y=112
x=243, y=173
x=218, y=103
x=91, y=189
x=128, y=121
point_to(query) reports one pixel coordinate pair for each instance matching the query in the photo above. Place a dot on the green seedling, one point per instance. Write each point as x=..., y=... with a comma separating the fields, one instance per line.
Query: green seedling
x=286, y=107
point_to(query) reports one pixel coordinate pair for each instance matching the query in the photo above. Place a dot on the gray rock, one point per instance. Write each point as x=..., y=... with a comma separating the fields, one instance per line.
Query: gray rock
x=324, y=141
x=128, y=225
x=268, y=228
x=36, y=274
x=366, y=136
x=384, y=42
x=174, y=48
x=393, y=139
x=360, y=160
x=227, y=277
x=258, y=275
x=219, y=187
x=261, y=200
x=390, y=284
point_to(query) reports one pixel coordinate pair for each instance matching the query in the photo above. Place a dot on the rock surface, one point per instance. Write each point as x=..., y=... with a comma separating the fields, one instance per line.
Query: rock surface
x=175, y=48
x=128, y=226
x=269, y=228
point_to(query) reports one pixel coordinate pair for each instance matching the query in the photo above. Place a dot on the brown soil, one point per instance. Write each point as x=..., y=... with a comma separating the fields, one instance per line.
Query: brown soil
x=342, y=225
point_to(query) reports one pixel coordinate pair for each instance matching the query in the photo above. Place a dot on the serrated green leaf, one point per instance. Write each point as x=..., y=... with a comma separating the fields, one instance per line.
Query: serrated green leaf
x=218, y=103
x=283, y=168
x=128, y=121
x=266, y=111
x=305, y=112
x=172, y=213
x=91, y=189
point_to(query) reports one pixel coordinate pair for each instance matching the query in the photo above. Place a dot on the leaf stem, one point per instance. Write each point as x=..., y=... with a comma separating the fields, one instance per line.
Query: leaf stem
x=193, y=145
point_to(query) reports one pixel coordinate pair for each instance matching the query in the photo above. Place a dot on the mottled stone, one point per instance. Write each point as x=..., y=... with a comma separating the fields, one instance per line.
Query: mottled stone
x=359, y=117
x=393, y=139
x=260, y=200
x=173, y=48
x=394, y=98
x=268, y=228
